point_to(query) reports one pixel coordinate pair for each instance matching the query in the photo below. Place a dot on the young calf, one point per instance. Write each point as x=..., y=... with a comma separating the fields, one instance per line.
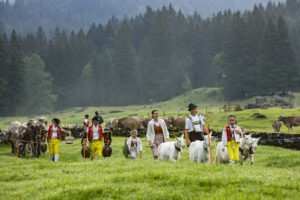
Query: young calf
x=171, y=150
x=199, y=151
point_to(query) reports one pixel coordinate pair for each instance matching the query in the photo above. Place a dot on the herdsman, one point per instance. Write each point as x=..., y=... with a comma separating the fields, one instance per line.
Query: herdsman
x=194, y=125
x=95, y=135
x=54, y=136
x=86, y=121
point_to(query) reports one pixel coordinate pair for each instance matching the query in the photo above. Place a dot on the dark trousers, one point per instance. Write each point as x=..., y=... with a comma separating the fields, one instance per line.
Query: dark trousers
x=193, y=136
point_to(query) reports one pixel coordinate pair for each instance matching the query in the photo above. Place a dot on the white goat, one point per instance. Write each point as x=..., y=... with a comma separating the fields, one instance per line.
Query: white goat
x=199, y=150
x=247, y=150
x=223, y=157
x=171, y=150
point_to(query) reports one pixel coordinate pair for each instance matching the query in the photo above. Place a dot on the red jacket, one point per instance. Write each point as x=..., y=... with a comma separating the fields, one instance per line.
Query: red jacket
x=50, y=131
x=90, y=133
x=85, y=124
x=228, y=133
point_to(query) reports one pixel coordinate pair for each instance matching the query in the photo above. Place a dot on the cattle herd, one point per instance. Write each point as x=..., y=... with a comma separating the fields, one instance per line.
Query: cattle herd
x=30, y=137
x=27, y=138
x=122, y=126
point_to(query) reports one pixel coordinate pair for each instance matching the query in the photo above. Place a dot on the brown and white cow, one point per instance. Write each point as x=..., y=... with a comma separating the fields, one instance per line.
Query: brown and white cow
x=276, y=125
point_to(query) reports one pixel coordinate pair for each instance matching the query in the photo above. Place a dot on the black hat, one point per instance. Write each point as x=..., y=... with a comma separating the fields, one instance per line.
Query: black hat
x=56, y=120
x=192, y=106
x=95, y=118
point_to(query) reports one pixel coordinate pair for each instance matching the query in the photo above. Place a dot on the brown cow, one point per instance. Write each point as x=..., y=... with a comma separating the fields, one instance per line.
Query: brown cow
x=145, y=121
x=111, y=124
x=129, y=123
x=177, y=122
x=276, y=125
x=289, y=122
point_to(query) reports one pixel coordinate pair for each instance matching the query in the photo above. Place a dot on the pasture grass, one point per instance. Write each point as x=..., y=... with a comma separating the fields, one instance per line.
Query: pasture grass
x=275, y=175
x=209, y=100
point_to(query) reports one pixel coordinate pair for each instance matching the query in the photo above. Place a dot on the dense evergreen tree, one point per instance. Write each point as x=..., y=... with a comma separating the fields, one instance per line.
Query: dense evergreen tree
x=38, y=98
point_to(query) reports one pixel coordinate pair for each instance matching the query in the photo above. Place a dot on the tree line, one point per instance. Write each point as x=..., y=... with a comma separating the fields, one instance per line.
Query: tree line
x=151, y=58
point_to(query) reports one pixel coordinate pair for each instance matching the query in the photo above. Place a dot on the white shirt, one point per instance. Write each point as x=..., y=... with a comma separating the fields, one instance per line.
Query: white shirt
x=86, y=121
x=54, y=131
x=236, y=136
x=95, y=132
x=189, y=125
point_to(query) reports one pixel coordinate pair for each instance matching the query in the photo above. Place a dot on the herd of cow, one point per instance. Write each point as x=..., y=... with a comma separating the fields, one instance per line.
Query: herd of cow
x=27, y=137
x=30, y=137
x=130, y=123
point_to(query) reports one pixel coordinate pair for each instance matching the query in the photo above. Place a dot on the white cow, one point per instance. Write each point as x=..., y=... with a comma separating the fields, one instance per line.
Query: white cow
x=199, y=150
x=171, y=150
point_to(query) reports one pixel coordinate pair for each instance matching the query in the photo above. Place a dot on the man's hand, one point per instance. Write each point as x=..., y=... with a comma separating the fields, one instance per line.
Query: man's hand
x=188, y=143
x=223, y=149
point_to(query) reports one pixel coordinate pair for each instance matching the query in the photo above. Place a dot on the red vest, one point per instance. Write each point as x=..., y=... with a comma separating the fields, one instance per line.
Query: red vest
x=90, y=133
x=228, y=133
x=50, y=131
x=85, y=124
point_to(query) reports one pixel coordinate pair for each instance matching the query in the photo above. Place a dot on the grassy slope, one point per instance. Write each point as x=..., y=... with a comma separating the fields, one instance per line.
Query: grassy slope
x=208, y=99
x=275, y=175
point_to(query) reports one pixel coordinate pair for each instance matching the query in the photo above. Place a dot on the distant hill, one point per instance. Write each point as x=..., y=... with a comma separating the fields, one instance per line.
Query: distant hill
x=27, y=15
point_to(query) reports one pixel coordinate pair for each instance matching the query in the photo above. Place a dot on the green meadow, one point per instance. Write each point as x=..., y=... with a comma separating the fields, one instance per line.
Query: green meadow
x=209, y=100
x=275, y=175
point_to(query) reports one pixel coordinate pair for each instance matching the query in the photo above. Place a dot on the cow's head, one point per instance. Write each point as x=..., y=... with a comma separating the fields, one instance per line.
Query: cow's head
x=280, y=118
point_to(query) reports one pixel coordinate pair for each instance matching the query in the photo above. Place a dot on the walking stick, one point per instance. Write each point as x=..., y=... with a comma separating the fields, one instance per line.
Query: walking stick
x=207, y=132
x=84, y=151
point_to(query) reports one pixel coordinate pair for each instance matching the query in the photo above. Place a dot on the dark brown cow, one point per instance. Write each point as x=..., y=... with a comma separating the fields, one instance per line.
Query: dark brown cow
x=129, y=123
x=289, y=122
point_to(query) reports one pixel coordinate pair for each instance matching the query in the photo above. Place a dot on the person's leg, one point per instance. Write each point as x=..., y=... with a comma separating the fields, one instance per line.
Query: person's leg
x=56, y=149
x=99, y=149
x=230, y=152
x=93, y=149
x=51, y=150
x=236, y=151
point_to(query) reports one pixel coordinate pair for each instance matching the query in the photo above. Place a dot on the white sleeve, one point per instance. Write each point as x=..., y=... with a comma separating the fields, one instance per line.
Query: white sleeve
x=201, y=117
x=187, y=124
x=224, y=138
x=128, y=142
x=87, y=129
x=47, y=128
x=166, y=129
x=148, y=132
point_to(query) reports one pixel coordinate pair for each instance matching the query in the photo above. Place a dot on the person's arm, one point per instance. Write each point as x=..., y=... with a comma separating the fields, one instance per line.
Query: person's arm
x=167, y=131
x=148, y=134
x=66, y=131
x=238, y=130
x=186, y=131
x=224, y=139
x=188, y=142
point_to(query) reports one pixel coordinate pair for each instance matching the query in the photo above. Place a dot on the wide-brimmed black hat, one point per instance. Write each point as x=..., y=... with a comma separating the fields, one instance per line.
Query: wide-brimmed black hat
x=56, y=120
x=95, y=118
x=192, y=106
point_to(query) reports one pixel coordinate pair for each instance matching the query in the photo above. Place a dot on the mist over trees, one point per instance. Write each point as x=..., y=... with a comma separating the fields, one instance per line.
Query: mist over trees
x=26, y=15
x=150, y=58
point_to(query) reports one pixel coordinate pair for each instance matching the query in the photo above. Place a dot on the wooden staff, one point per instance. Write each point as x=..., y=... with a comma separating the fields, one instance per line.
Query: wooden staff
x=207, y=132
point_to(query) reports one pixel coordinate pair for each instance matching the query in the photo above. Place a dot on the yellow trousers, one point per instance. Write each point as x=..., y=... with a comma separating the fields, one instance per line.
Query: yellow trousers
x=96, y=146
x=53, y=146
x=233, y=150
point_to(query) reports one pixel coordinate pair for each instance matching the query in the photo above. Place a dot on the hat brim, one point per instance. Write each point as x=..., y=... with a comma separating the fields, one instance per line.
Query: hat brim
x=192, y=108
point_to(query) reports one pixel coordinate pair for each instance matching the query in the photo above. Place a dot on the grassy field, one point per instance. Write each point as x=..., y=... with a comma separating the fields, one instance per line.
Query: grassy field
x=275, y=175
x=209, y=100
